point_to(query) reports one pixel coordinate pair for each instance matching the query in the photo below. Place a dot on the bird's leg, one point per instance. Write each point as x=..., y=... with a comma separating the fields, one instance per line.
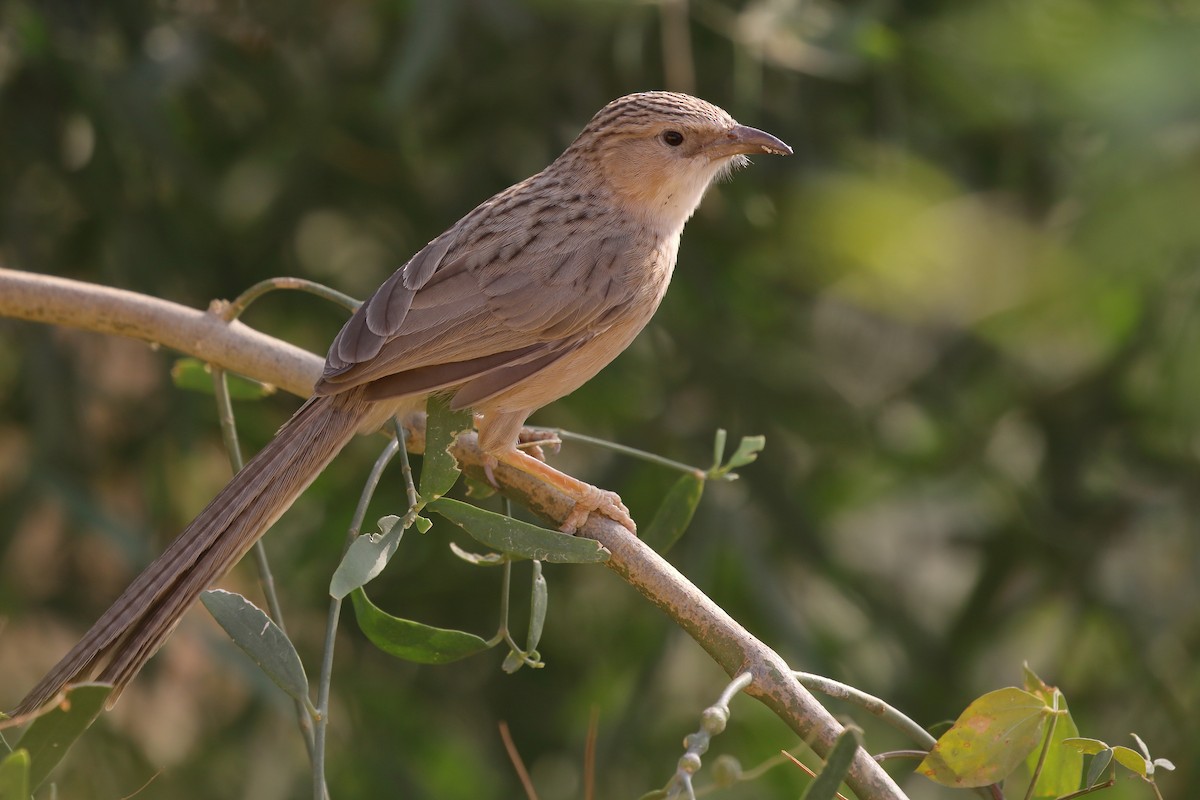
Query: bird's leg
x=587, y=498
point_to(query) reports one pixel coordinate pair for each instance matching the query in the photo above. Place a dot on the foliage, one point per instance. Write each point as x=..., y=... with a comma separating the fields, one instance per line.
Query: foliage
x=964, y=317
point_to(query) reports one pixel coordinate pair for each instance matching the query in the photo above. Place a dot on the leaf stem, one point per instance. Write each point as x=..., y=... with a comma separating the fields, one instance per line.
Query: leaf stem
x=1037, y=770
x=889, y=714
x=234, y=309
x=653, y=458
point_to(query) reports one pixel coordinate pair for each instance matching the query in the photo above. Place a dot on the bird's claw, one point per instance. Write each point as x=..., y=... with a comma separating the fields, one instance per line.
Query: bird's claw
x=604, y=502
x=489, y=466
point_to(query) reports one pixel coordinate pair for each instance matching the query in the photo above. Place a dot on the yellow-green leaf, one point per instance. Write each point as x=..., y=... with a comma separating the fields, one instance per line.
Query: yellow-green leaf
x=14, y=776
x=988, y=741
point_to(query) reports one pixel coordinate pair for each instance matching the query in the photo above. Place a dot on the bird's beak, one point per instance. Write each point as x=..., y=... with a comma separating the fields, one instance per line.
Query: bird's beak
x=743, y=140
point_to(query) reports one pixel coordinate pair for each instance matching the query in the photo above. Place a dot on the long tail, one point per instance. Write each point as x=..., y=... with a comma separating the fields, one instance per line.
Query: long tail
x=128, y=634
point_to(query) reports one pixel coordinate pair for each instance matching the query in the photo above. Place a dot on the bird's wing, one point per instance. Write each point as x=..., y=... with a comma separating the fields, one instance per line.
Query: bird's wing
x=504, y=293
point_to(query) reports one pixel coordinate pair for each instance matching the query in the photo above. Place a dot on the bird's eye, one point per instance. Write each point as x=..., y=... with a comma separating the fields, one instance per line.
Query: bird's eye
x=673, y=138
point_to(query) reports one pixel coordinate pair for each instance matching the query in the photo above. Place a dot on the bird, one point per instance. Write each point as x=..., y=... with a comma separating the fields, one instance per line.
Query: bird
x=514, y=306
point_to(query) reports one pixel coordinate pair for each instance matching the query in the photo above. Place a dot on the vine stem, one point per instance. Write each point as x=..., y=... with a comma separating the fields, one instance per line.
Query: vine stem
x=331, y=624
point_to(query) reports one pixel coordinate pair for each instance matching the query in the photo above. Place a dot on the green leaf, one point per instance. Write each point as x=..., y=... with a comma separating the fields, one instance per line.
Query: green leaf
x=195, y=375
x=991, y=737
x=261, y=639
x=366, y=557
x=439, y=469
x=1100, y=764
x=1087, y=747
x=747, y=451
x=513, y=662
x=1063, y=766
x=422, y=524
x=410, y=640
x=1035, y=685
x=675, y=513
x=837, y=765
x=479, y=559
x=718, y=449
x=14, y=776
x=538, y=602
x=518, y=538
x=49, y=737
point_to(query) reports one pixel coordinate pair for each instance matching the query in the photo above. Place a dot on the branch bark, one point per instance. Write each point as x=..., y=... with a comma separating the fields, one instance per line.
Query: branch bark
x=238, y=348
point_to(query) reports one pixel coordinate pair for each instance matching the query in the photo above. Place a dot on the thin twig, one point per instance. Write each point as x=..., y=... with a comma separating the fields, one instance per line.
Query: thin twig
x=266, y=578
x=653, y=458
x=515, y=757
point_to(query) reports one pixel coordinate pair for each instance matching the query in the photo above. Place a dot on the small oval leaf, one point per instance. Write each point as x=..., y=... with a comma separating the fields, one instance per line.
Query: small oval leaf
x=992, y=736
x=747, y=451
x=519, y=538
x=1085, y=746
x=675, y=513
x=261, y=639
x=49, y=737
x=1130, y=759
x=412, y=641
x=538, y=602
x=512, y=662
x=439, y=469
x=1100, y=764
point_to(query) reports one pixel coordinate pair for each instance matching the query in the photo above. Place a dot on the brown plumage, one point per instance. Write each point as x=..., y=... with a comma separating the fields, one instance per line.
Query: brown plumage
x=518, y=304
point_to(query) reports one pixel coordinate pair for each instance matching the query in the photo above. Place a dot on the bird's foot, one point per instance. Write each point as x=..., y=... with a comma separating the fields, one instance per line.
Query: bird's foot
x=592, y=499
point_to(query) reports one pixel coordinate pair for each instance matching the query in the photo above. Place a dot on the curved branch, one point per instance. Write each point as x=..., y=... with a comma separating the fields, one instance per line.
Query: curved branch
x=238, y=348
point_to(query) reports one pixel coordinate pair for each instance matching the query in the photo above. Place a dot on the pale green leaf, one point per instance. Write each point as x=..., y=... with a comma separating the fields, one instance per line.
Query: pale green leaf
x=538, y=602
x=365, y=558
x=747, y=451
x=260, y=638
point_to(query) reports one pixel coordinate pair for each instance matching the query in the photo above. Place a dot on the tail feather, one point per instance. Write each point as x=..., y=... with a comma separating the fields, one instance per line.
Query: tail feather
x=128, y=634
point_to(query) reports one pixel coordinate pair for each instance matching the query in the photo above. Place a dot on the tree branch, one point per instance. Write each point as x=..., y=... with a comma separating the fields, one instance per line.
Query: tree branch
x=238, y=348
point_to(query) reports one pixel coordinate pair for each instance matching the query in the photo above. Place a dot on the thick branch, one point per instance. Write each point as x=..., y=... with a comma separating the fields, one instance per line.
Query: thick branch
x=240, y=349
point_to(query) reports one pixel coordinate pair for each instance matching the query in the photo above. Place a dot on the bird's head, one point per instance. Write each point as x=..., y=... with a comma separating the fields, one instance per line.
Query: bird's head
x=657, y=152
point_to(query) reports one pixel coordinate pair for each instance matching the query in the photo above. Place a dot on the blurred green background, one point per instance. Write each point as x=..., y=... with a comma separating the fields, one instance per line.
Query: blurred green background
x=964, y=315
